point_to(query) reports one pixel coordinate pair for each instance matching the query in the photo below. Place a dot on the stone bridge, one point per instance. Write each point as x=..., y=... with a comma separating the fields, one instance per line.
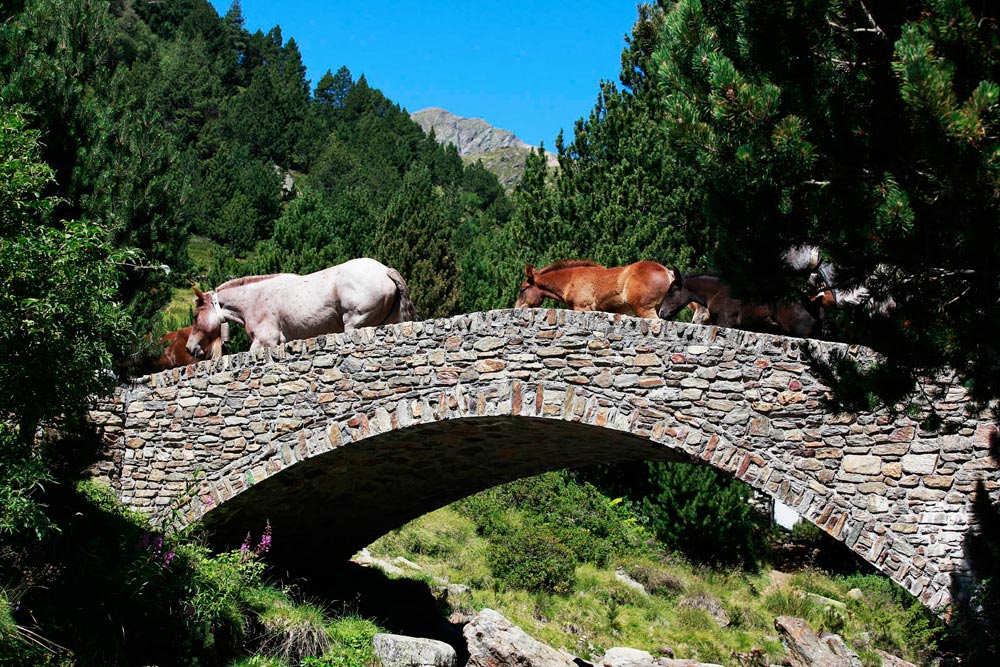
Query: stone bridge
x=339, y=439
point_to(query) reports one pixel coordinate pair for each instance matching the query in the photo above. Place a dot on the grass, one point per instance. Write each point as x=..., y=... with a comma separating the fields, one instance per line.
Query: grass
x=602, y=612
x=203, y=252
x=292, y=633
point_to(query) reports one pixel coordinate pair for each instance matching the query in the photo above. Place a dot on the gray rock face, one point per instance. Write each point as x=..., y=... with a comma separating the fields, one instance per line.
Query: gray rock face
x=631, y=657
x=627, y=657
x=709, y=605
x=890, y=660
x=470, y=135
x=496, y=642
x=807, y=649
x=401, y=651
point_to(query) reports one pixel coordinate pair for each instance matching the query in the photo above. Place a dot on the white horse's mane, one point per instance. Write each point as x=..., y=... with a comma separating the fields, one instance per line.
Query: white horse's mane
x=237, y=282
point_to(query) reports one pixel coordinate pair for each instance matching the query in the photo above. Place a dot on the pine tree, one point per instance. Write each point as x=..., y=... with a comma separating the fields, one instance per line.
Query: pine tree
x=110, y=157
x=415, y=239
x=620, y=196
x=58, y=313
x=332, y=90
x=697, y=510
x=868, y=130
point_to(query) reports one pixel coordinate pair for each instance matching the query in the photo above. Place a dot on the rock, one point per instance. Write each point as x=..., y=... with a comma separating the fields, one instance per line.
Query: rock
x=824, y=601
x=890, y=660
x=627, y=657
x=855, y=594
x=406, y=562
x=401, y=651
x=365, y=558
x=494, y=642
x=623, y=577
x=708, y=604
x=630, y=657
x=459, y=618
x=806, y=649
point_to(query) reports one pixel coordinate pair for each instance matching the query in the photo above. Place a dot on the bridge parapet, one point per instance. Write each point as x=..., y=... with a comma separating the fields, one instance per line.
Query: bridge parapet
x=385, y=424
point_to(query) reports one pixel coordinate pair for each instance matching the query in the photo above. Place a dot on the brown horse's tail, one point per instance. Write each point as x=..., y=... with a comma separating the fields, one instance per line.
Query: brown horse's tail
x=403, y=308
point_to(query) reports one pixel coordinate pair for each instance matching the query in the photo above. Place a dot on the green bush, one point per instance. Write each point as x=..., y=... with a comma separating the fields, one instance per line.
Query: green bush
x=896, y=620
x=534, y=560
x=592, y=526
x=807, y=532
x=704, y=514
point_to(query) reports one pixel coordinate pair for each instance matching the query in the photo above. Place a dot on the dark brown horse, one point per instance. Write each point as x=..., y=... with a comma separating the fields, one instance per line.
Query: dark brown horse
x=175, y=354
x=636, y=289
x=794, y=318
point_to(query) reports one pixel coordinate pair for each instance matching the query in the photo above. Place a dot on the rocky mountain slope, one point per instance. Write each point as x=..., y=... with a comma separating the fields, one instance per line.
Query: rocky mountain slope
x=476, y=139
x=470, y=135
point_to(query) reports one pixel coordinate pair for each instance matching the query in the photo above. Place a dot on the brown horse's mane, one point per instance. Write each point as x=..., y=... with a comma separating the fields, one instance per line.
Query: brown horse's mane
x=237, y=282
x=567, y=264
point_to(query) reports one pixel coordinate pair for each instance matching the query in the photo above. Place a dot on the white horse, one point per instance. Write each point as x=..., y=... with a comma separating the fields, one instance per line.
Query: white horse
x=281, y=307
x=808, y=258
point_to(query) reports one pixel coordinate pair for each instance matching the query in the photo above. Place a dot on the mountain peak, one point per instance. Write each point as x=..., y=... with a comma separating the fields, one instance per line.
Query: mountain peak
x=470, y=136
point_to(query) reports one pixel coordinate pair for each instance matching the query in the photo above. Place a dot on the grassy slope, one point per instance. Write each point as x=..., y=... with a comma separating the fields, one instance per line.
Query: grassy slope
x=602, y=612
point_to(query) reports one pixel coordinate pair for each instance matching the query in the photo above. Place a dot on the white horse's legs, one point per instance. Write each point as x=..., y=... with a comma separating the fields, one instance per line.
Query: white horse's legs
x=266, y=336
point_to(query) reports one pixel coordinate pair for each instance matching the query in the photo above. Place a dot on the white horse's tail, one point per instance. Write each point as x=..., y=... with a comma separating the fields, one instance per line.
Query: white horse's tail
x=404, y=306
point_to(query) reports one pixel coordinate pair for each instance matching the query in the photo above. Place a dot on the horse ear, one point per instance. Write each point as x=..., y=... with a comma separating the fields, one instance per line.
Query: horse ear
x=678, y=278
x=199, y=295
x=529, y=271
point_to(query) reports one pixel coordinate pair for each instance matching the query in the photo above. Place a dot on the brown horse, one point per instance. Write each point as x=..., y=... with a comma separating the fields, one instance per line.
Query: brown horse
x=175, y=354
x=796, y=318
x=699, y=314
x=636, y=289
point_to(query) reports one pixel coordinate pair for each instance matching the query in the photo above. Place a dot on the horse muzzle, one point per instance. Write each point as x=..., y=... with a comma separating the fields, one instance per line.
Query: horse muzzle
x=666, y=313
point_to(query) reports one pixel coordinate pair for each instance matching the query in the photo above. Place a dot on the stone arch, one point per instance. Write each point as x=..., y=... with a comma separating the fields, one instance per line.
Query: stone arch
x=219, y=439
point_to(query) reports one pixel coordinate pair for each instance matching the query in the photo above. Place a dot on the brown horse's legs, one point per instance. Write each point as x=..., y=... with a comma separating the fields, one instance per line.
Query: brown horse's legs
x=646, y=312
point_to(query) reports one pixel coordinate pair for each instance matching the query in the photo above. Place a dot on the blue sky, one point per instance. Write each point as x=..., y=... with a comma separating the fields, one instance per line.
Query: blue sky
x=529, y=67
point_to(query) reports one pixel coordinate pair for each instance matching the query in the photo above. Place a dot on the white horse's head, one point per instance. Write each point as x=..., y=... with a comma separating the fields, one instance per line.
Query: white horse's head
x=207, y=325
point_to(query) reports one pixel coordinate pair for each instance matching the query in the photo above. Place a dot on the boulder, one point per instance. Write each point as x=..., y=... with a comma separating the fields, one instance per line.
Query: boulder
x=630, y=657
x=623, y=577
x=807, y=649
x=890, y=660
x=708, y=604
x=401, y=651
x=496, y=642
x=627, y=657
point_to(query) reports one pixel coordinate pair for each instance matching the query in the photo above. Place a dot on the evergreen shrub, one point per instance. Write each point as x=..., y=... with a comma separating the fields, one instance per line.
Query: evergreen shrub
x=706, y=515
x=532, y=559
x=595, y=528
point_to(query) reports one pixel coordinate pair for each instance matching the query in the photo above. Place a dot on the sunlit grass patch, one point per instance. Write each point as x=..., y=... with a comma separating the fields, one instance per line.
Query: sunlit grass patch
x=203, y=251
x=293, y=631
x=695, y=611
x=351, y=642
x=444, y=543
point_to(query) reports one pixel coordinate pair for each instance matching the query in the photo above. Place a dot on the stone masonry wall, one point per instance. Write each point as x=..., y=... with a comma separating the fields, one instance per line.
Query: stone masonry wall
x=195, y=439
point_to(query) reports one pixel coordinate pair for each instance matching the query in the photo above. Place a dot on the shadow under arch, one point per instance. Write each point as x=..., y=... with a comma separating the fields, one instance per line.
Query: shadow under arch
x=328, y=507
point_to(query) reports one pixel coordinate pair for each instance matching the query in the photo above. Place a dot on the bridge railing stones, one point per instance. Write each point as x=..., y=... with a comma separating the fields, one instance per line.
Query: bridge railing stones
x=188, y=440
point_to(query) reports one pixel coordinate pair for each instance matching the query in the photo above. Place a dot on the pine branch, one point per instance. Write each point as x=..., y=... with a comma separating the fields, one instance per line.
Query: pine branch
x=871, y=20
x=876, y=30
